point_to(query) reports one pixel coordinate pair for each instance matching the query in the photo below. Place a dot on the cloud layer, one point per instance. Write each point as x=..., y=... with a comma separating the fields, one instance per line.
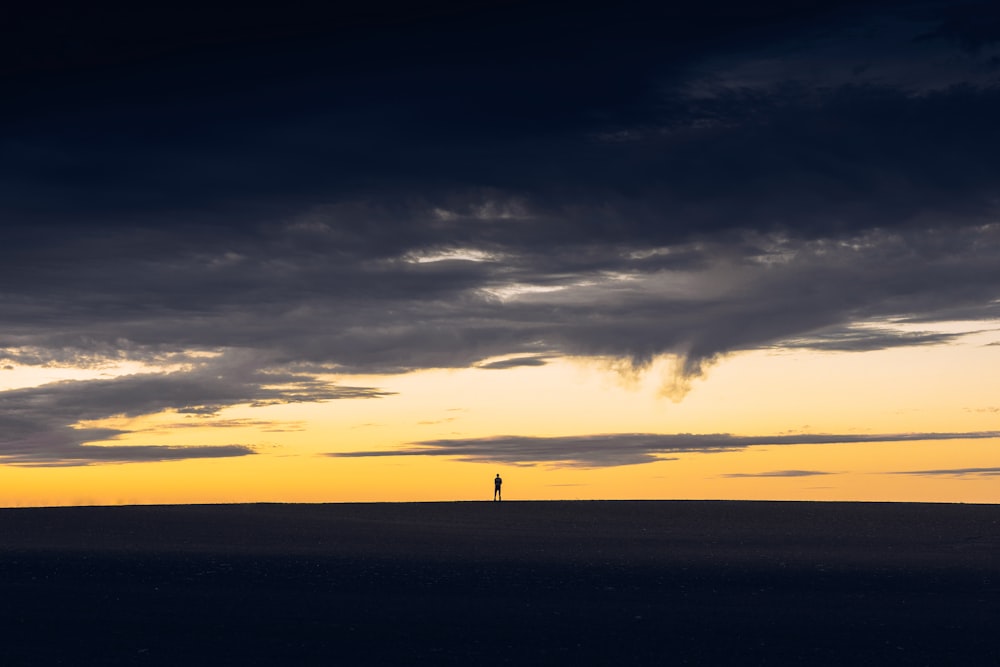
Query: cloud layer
x=48, y=424
x=630, y=448
x=953, y=472
x=309, y=193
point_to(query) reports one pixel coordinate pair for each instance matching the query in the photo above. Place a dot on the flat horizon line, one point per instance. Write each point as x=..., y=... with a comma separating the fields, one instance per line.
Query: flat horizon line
x=518, y=501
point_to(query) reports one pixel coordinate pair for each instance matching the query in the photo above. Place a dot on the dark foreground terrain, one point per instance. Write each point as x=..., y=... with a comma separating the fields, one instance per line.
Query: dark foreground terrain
x=519, y=583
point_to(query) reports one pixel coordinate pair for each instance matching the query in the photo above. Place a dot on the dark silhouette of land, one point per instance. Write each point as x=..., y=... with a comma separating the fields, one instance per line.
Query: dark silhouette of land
x=616, y=582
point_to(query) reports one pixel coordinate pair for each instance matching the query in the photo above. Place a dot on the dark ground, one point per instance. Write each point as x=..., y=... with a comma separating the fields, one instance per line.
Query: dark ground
x=519, y=583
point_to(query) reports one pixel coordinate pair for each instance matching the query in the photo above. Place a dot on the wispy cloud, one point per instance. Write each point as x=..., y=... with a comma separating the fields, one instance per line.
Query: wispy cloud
x=952, y=472
x=514, y=362
x=777, y=473
x=70, y=454
x=630, y=448
x=867, y=338
x=52, y=423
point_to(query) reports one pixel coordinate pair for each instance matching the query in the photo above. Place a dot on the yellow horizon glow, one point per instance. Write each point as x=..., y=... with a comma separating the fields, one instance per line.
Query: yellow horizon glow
x=943, y=388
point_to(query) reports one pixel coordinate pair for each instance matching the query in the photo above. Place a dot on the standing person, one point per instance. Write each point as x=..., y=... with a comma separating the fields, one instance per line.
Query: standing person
x=497, y=483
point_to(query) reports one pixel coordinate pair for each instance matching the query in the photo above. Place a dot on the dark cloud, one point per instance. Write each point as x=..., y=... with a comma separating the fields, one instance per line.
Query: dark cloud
x=644, y=122
x=289, y=301
x=617, y=449
x=70, y=455
x=392, y=188
x=973, y=25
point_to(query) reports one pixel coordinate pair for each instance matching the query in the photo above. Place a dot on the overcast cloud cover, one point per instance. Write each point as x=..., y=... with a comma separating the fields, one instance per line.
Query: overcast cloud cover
x=259, y=201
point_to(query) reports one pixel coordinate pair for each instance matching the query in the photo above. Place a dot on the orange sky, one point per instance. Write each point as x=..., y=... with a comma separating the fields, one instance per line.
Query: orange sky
x=935, y=389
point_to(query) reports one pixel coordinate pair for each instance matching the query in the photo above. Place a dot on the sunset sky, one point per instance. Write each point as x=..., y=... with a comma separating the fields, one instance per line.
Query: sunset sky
x=384, y=252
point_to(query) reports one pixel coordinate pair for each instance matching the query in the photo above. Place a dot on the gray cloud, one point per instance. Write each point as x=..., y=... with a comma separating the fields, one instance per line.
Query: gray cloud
x=952, y=472
x=71, y=455
x=514, y=362
x=43, y=424
x=285, y=299
x=864, y=339
x=618, y=449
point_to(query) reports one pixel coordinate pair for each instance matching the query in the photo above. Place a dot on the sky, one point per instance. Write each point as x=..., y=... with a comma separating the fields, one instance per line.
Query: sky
x=384, y=252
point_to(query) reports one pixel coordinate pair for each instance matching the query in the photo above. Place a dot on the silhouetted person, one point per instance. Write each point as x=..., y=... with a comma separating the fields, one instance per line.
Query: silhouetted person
x=497, y=483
